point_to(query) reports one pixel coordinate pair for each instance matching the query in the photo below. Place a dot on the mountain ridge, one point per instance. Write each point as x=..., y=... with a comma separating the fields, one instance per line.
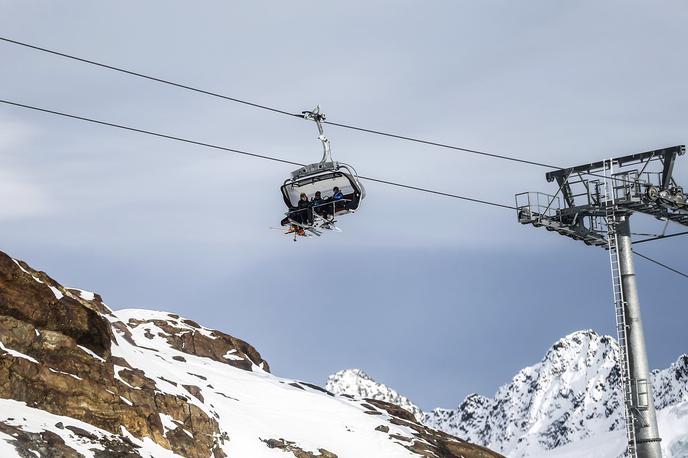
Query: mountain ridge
x=571, y=395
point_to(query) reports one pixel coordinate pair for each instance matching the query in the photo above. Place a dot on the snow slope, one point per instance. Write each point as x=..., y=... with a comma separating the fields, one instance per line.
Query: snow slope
x=255, y=406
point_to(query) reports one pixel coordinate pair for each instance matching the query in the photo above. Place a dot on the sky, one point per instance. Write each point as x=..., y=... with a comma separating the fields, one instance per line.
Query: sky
x=433, y=296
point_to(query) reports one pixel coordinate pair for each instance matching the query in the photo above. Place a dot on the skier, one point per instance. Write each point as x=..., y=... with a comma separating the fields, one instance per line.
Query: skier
x=303, y=214
x=336, y=197
x=317, y=204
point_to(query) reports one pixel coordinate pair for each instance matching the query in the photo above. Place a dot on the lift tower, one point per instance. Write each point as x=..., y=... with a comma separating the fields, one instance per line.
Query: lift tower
x=598, y=200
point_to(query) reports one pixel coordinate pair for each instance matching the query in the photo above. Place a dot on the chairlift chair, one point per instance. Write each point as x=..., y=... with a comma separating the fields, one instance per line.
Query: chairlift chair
x=321, y=176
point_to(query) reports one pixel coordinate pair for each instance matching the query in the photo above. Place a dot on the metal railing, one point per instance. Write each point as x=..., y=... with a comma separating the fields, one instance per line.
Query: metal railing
x=311, y=213
x=534, y=206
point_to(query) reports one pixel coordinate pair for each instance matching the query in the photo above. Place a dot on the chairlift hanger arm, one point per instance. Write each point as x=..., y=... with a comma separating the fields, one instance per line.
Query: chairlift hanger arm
x=319, y=118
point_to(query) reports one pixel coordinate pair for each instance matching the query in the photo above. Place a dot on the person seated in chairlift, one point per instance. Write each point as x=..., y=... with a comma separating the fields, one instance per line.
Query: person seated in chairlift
x=303, y=214
x=317, y=202
x=336, y=197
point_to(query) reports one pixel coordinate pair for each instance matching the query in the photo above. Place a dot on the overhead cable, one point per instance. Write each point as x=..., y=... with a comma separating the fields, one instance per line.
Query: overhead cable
x=266, y=107
x=245, y=153
x=148, y=77
x=661, y=264
x=284, y=161
x=660, y=237
x=287, y=113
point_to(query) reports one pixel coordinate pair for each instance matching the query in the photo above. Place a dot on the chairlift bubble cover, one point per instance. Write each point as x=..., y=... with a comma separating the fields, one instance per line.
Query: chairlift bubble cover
x=323, y=179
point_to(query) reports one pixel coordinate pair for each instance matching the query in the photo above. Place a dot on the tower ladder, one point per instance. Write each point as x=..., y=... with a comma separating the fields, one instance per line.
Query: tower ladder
x=619, y=307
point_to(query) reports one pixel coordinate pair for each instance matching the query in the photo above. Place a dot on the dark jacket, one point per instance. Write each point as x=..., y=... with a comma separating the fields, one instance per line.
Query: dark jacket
x=315, y=202
x=338, y=195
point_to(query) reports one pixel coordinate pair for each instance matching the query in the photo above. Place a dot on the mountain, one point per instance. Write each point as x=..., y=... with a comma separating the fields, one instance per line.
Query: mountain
x=79, y=379
x=356, y=383
x=567, y=403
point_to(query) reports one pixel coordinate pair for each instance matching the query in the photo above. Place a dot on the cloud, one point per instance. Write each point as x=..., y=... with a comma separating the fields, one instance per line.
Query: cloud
x=21, y=198
x=13, y=134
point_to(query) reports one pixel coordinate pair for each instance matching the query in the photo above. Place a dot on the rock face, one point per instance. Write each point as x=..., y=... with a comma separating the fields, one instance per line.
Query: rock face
x=77, y=379
x=572, y=395
x=61, y=361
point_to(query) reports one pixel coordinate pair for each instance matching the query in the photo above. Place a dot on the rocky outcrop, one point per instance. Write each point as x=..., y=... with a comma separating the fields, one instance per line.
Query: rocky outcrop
x=189, y=337
x=55, y=355
x=33, y=298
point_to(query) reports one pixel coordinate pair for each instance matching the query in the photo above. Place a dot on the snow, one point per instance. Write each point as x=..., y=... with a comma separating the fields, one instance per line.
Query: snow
x=28, y=419
x=148, y=446
x=168, y=423
x=231, y=356
x=6, y=449
x=673, y=428
x=87, y=350
x=20, y=266
x=563, y=399
x=58, y=294
x=670, y=386
x=16, y=354
x=256, y=405
x=65, y=373
x=605, y=445
x=116, y=370
x=568, y=405
x=356, y=383
x=85, y=295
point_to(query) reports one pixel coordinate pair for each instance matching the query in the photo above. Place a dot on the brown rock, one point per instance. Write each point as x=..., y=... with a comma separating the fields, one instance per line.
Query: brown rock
x=69, y=381
x=29, y=300
x=195, y=342
x=429, y=442
x=45, y=443
x=295, y=450
x=195, y=391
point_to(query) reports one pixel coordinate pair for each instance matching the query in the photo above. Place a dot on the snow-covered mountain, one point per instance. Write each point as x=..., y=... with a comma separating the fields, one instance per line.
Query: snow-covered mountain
x=570, y=397
x=80, y=380
x=356, y=383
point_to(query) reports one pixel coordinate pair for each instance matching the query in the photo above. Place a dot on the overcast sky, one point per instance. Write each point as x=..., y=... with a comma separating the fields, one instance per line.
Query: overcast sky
x=435, y=297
